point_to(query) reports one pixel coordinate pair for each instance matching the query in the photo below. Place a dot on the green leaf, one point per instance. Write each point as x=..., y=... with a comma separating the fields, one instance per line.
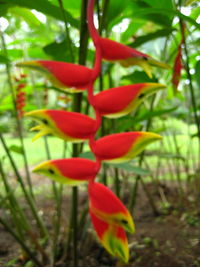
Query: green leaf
x=87, y=155
x=155, y=113
x=16, y=149
x=14, y=54
x=4, y=60
x=115, y=9
x=140, y=9
x=151, y=36
x=46, y=8
x=163, y=12
x=26, y=14
x=159, y=3
x=132, y=29
x=58, y=50
x=171, y=156
x=139, y=77
x=130, y=168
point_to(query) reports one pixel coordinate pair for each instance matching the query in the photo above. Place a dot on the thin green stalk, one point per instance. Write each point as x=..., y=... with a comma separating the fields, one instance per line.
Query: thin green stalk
x=139, y=177
x=191, y=88
x=177, y=165
x=104, y=15
x=69, y=41
x=17, y=212
x=26, y=194
x=77, y=101
x=23, y=245
x=117, y=182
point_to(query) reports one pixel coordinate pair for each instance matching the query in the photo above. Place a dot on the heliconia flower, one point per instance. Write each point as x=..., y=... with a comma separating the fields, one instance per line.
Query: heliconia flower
x=20, y=99
x=105, y=205
x=119, y=101
x=177, y=68
x=123, y=146
x=127, y=56
x=70, y=126
x=112, y=237
x=73, y=171
x=68, y=76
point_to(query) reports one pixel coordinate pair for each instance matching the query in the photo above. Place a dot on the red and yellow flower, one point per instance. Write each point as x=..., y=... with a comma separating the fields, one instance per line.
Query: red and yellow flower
x=70, y=126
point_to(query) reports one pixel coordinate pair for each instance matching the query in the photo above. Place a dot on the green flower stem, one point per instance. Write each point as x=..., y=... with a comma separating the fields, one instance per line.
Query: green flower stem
x=104, y=14
x=77, y=103
x=117, y=182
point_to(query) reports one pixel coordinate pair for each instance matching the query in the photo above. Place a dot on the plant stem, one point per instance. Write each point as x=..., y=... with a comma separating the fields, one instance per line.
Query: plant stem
x=69, y=42
x=23, y=245
x=139, y=177
x=191, y=88
x=26, y=194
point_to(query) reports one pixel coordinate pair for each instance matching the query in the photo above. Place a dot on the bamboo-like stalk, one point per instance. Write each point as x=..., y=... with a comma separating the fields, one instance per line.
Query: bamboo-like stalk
x=76, y=148
x=17, y=212
x=23, y=245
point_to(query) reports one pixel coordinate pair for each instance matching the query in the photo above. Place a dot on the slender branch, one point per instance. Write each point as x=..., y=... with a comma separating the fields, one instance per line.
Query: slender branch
x=69, y=41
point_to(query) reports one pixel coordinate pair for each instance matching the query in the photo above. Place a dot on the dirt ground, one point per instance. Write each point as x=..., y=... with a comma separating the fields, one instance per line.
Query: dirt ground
x=170, y=239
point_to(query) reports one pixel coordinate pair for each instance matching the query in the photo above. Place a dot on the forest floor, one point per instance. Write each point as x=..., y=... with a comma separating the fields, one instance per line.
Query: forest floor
x=170, y=239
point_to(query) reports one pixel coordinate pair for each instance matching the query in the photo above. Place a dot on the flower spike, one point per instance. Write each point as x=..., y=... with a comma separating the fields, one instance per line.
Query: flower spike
x=70, y=77
x=70, y=126
x=127, y=56
x=123, y=146
x=112, y=237
x=73, y=171
x=119, y=101
x=105, y=205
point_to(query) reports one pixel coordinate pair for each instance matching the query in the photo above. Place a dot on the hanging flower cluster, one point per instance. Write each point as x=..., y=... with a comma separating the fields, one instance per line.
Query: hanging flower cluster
x=109, y=216
x=20, y=94
x=178, y=65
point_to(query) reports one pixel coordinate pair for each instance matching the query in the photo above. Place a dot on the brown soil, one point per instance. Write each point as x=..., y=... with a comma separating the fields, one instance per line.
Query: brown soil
x=171, y=239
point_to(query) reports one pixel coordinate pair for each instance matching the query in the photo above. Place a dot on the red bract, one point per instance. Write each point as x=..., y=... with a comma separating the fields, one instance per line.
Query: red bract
x=177, y=68
x=20, y=96
x=123, y=146
x=113, y=213
x=71, y=77
x=112, y=237
x=127, y=56
x=69, y=171
x=70, y=126
x=119, y=101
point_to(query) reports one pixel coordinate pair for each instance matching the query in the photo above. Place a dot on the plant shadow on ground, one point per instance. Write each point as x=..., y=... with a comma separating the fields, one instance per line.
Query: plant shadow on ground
x=171, y=239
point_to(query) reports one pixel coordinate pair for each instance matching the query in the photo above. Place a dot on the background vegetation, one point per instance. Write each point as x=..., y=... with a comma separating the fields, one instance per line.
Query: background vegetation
x=56, y=30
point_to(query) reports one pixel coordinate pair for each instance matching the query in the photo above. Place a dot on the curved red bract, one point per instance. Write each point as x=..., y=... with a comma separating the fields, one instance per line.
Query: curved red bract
x=72, y=123
x=70, y=75
x=115, y=145
x=103, y=199
x=76, y=168
x=112, y=50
